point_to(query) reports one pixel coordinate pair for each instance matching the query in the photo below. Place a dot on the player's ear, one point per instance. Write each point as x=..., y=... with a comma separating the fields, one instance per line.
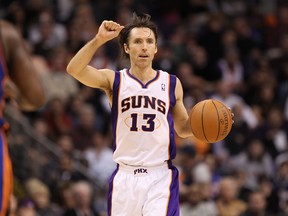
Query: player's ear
x=126, y=48
x=156, y=49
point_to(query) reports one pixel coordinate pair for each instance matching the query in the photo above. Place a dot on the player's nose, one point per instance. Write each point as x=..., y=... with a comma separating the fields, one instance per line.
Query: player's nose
x=144, y=46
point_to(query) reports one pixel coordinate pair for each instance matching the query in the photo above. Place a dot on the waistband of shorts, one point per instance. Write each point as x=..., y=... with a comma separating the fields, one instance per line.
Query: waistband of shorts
x=131, y=169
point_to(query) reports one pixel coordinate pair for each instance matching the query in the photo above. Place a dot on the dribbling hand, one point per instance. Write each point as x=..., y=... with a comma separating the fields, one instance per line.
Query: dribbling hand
x=109, y=30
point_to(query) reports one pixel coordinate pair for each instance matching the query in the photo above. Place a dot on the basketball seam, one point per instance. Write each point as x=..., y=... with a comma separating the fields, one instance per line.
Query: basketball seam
x=202, y=118
x=218, y=120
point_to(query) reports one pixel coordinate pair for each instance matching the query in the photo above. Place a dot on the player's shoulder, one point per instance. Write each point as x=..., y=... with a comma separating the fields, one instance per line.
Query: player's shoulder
x=172, y=77
x=167, y=73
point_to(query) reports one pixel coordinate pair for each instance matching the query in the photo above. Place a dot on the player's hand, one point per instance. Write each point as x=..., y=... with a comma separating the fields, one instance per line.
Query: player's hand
x=108, y=30
x=232, y=114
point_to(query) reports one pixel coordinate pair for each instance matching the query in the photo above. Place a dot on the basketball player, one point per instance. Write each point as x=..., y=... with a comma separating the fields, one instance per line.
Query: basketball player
x=146, y=107
x=15, y=66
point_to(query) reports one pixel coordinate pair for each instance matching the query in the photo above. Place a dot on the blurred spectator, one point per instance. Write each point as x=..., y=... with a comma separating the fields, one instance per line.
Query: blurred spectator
x=46, y=34
x=281, y=180
x=83, y=197
x=236, y=141
x=39, y=61
x=245, y=117
x=57, y=83
x=240, y=176
x=17, y=14
x=66, y=145
x=58, y=172
x=226, y=94
x=227, y=202
x=201, y=173
x=101, y=60
x=83, y=14
x=74, y=40
x=185, y=161
x=26, y=208
x=74, y=106
x=64, y=196
x=39, y=193
x=255, y=161
x=232, y=69
x=164, y=58
x=82, y=134
x=185, y=73
x=13, y=205
x=58, y=120
x=210, y=36
x=267, y=187
x=275, y=132
x=248, y=37
x=205, y=69
x=256, y=205
x=195, y=205
x=41, y=127
x=100, y=159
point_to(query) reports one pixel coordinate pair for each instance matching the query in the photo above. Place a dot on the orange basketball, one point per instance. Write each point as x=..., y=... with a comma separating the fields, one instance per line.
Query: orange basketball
x=210, y=120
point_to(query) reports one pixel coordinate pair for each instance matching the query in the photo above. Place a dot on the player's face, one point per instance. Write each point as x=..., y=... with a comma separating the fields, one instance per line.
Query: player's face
x=141, y=46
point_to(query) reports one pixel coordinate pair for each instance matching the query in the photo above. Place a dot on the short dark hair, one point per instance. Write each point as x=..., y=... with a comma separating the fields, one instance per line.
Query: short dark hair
x=143, y=21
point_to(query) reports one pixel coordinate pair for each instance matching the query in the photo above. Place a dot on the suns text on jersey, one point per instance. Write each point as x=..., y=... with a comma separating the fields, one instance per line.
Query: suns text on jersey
x=143, y=101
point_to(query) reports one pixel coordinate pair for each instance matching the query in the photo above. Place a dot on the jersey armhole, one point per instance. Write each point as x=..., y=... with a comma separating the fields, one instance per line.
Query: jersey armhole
x=172, y=88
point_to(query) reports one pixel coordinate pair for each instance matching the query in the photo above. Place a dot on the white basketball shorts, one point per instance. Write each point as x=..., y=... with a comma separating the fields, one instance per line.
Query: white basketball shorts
x=144, y=191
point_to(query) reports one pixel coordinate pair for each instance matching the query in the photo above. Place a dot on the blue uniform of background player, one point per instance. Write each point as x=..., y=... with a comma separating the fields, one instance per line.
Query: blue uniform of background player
x=18, y=79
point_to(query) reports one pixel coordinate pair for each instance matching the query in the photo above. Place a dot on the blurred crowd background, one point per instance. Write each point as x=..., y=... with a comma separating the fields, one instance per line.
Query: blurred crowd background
x=234, y=51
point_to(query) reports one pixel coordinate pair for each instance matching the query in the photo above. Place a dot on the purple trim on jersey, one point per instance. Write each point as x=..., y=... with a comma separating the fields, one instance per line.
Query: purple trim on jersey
x=140, y=82
x=172, y=145
x=110, y=191
x=173, y=205
x=114, y=109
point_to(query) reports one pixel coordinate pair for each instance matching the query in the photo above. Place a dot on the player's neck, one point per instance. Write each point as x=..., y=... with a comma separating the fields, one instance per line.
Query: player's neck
x=143, y=74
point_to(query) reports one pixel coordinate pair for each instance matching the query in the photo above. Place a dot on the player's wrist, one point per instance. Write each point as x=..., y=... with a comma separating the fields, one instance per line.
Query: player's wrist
x=98, y=41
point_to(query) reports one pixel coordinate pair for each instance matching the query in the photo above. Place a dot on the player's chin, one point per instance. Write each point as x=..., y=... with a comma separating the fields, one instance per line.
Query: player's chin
x=144, y=63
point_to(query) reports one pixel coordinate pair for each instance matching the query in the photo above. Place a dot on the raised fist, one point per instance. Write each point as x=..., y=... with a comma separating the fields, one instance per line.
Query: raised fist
x=109, y=30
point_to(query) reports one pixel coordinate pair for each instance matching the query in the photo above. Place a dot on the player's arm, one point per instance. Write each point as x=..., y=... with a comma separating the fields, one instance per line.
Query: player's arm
x=78, y=66
x=21, y=69
x=180, y=115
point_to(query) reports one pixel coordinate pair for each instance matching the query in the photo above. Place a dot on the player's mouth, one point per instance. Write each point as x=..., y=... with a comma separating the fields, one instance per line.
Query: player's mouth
x=143, y=56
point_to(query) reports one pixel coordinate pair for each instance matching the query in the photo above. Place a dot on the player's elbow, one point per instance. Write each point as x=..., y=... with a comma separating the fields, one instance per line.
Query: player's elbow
x=31, y=106
x=183, y=133
x=33, y=103
x=40, y=102
x=69, y=69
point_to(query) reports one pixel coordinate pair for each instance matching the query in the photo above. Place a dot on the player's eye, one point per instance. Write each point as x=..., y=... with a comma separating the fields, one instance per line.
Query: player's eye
x=137, y=41
x=150, y=41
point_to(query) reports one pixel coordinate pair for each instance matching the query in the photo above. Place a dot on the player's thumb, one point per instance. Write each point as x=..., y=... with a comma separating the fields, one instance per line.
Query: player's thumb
x=120, y=28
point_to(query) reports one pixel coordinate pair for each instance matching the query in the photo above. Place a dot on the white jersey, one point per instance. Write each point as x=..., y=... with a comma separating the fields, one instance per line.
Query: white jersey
x=142, y=120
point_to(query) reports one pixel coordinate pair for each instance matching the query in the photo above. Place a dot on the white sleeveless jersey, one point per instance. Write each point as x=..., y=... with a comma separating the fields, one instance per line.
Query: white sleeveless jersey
x=142, y=120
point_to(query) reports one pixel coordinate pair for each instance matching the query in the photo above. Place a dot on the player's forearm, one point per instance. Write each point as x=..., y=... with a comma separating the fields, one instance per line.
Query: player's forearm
x=183, y=129
x=84, y=56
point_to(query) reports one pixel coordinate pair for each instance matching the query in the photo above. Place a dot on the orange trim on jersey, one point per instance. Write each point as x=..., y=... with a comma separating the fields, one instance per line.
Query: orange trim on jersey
x=7, y=186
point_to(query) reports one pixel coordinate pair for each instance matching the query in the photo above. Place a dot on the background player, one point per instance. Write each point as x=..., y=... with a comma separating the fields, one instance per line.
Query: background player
x=143, y=103
x=15, y=66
